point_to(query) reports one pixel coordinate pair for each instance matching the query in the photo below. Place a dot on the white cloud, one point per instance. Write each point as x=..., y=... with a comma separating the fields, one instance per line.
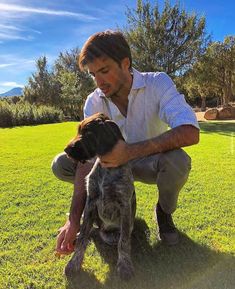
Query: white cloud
x=31, y=10
x=3, y=65
x=14, y=28
x=10, y=27
x=8, y=36
x=11, y=84
x=13, y=15
x=13, y=63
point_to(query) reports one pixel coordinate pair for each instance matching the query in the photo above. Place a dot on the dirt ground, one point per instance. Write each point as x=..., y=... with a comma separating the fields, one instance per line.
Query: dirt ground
x=200, y=116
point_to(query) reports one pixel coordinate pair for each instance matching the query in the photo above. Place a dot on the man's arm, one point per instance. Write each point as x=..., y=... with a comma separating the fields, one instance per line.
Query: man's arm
x=67, y=235
x=79, y=194
x=181, y=136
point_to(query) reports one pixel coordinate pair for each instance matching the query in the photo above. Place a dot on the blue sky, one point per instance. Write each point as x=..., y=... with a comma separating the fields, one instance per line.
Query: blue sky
x=32, y=28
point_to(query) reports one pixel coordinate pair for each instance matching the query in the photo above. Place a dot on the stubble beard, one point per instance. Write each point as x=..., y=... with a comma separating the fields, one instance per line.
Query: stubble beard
x=118, y=92
x=115, y=94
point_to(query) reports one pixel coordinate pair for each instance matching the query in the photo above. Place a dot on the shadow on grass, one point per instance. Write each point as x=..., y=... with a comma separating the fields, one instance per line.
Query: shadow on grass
x=187, y=265
x=224, y=128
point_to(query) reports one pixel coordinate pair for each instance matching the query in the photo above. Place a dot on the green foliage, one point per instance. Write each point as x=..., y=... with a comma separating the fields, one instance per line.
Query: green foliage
x=214, y=74
x=65, y=88
x=42, y=86
x=67, y=61
x=75, y=84
x=12, y=99
x=5, y=114
x=33, y=204
x=71, y=100
x=168, y=41
x=24, y=113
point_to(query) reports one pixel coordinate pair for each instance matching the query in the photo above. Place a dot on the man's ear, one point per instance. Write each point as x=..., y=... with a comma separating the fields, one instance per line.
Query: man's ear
x=125, y=63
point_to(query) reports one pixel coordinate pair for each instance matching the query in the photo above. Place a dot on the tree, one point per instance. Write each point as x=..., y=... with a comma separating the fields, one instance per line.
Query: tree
x=225, y=66
x=169, y=41
x=214, y=74
x=67, y=61
x=42, y=87
x=75, y=84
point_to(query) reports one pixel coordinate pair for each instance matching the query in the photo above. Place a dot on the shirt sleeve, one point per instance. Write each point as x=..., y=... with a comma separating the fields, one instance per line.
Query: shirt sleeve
x=173, y=109
x=92, y=105
x=88, y=108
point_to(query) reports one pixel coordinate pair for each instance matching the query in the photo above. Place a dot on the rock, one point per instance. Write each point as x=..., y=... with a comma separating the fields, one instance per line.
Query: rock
x=211, y=114
x=227, y=113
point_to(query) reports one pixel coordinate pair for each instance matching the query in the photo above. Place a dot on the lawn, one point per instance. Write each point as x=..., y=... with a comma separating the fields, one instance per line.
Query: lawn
x=33, y=205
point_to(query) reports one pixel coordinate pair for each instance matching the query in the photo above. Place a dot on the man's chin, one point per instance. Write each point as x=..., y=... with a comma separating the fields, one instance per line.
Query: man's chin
x=109, y=94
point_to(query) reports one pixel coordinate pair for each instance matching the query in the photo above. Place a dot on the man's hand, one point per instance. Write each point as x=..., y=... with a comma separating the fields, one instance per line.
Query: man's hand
x=118, y=156
x=175, y=138
x=66, y=238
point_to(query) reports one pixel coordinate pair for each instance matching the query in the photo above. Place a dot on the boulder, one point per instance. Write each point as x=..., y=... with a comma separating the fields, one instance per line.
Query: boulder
x=211, y=114
x=227, y=113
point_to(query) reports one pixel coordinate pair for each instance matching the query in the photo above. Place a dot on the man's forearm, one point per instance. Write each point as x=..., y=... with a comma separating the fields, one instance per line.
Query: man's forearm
x=79, y=194
x=175, y=138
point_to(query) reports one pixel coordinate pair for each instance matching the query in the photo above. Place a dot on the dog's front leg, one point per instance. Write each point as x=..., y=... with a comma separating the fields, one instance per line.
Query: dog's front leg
x=124, y=264
x=75, y=263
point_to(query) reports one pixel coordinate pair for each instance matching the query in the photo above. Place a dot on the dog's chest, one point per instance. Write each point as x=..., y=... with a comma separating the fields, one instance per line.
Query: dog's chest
x=115, y=189
x=110, y=201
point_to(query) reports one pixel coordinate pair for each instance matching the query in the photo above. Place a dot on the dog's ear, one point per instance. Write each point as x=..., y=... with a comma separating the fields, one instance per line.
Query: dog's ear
x=74, y=150
x=92, y=121
x=82, y=148
x=79, y=129
x=107, y=136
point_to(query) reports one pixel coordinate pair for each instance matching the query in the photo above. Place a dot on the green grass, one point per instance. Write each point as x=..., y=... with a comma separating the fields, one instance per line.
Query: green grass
x=33, y=205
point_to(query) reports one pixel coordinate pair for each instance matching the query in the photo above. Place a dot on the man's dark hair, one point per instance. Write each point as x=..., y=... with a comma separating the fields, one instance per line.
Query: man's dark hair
x=107, y=43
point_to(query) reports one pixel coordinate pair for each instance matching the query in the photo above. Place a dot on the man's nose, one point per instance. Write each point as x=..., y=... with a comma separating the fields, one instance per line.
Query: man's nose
x=99, y=80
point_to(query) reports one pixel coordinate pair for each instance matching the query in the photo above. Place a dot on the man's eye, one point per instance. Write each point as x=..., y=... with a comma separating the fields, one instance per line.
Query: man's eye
x=105, y=71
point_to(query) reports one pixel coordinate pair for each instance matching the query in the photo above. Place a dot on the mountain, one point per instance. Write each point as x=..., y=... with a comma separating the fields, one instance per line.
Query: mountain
x=14, y=91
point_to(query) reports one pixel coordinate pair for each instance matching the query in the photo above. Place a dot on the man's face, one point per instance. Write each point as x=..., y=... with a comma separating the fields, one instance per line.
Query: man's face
x=109, y=76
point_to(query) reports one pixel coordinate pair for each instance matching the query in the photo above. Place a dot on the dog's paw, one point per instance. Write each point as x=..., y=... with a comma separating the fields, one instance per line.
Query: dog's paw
x=125, y=269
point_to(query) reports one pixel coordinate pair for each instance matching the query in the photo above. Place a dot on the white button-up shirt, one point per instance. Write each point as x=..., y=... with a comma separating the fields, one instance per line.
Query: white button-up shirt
x=153, y=104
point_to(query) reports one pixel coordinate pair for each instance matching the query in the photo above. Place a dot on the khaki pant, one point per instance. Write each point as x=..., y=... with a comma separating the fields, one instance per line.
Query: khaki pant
x=168, y=170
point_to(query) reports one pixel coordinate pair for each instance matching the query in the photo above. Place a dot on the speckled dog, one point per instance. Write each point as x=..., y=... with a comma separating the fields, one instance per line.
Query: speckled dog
x=111, y=200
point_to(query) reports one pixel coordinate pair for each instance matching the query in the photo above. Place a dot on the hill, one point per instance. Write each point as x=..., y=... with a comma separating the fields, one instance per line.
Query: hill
x=13, y=92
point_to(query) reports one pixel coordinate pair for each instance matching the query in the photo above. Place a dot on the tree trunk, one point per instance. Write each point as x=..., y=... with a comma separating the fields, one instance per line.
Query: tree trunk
x=203, y=104
x=225, y=96
x=227, y=88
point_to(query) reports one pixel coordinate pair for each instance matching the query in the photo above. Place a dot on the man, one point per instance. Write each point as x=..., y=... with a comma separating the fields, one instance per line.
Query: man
x=143, y=105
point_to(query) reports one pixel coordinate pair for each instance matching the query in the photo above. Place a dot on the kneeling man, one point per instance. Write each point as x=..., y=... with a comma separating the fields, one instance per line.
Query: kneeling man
x=143, y=105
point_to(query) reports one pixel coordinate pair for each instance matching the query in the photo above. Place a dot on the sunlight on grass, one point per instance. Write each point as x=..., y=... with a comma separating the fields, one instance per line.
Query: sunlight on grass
x=33, y=205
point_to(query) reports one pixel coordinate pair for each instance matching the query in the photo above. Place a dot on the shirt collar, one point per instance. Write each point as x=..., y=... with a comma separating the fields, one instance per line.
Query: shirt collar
x=138, y=79
x=138, y=82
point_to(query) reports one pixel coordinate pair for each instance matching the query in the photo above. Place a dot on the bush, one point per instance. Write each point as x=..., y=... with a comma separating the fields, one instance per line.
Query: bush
x=6, y=114
x=23, y=113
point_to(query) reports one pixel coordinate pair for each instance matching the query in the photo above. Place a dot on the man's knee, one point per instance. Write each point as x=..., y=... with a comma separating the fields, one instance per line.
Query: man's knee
x=63, y=168
x=57, y=167
x=176, y=161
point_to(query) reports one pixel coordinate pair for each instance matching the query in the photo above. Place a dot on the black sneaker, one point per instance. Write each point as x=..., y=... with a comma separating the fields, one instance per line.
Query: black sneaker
x=167, y=230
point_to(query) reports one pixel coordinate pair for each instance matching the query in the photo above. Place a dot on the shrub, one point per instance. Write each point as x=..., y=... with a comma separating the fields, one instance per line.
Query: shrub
x=6, y=114
x=23, y=113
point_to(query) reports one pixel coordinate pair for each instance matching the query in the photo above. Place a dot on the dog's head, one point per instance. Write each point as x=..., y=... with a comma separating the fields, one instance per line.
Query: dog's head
x=97, y=135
